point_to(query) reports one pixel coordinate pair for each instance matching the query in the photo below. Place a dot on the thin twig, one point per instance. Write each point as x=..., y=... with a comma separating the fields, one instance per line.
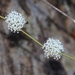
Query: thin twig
x=59, y=11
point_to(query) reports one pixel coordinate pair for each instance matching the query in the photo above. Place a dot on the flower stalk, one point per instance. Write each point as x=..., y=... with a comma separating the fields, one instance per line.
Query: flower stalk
x=2, y=17
x=67, y=56
x=31, y=37
x=42, y=45
x=38, y=41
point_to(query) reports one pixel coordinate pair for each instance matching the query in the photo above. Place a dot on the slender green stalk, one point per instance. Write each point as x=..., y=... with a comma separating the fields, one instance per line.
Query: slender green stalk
x=42, y=45
x=39, y=42
x=31, y=38
x=2, y=17
x=67, y=56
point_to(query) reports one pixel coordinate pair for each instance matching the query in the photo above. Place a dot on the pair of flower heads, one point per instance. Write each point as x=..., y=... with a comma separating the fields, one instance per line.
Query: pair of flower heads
x=52, y=47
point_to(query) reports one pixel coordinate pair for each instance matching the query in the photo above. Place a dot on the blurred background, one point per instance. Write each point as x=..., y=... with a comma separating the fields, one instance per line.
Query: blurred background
x=19, y=55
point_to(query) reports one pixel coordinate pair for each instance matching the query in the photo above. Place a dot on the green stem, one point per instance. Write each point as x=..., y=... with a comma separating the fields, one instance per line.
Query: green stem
x=39, y=42
x=42, y=45
x=2, y=17
x=67, y=56
x=31, y=38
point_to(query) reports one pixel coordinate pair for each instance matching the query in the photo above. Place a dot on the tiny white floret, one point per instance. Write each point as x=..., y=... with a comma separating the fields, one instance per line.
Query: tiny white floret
x=53, y=48
x=15, y=21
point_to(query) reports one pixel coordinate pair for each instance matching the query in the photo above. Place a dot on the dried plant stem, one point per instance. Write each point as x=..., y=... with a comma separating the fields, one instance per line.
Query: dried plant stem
x=39, y=42
x=59, y=11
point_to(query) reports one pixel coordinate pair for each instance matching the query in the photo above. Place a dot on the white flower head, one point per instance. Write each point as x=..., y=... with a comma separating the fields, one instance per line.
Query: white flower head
x=53, y=48
x=15, y=21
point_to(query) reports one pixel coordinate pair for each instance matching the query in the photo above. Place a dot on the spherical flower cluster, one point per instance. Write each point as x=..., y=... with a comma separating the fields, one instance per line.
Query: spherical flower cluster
x=53, y=48
x=15, y=21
